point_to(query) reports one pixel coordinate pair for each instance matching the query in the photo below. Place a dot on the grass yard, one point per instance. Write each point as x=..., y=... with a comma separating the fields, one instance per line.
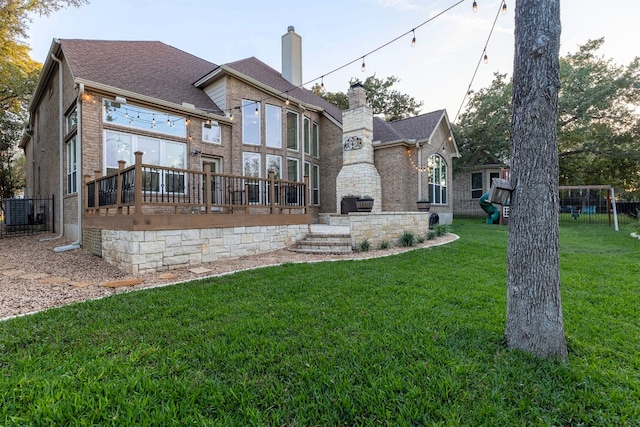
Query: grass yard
x=411, y=339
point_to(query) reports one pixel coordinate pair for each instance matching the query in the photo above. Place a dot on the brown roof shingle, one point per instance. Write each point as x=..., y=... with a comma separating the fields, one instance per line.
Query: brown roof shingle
x=258, y=70
x=418, y=127
x=150, y=68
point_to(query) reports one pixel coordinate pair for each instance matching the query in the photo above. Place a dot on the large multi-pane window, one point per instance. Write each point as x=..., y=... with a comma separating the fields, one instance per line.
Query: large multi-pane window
x=121, y=146
x=292, y=130
x=72, y=165
x=437, y=169
x=251, y=122
x=316, y=140
x=136, y=117
x=273, y=126
x=306, y=134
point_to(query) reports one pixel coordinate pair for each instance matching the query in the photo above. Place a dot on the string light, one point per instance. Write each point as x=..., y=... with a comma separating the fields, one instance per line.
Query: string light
x=413, y=41
x=257, y=111
x=321, y=84
x=474, y=7
x=504, y=8
x=363, y=66
x=485, y=58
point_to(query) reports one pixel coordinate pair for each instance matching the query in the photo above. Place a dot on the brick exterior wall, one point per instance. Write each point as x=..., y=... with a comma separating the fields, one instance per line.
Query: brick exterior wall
x=463, y=203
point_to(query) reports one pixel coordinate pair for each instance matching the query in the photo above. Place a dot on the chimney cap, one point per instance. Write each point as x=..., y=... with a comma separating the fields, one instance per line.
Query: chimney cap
x=291, y=28
x=356, y=85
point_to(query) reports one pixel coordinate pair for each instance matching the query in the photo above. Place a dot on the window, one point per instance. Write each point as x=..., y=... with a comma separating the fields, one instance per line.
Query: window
x=437, y=179
x=292, y=130
x=133, y=116
x=274, y=163
x=306, y=129
x=476, y=185
x=71, y=120
x=307, y=173
x=121, y=146
x=273, y=126
x=316, y=140
x=72, y=166
x=251, y=122
x=211, y=133
x=315, y=184
x=292, y=169
x=251, y=167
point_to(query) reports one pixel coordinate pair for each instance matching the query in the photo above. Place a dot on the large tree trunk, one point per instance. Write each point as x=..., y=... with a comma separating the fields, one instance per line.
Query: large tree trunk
x=534, y=310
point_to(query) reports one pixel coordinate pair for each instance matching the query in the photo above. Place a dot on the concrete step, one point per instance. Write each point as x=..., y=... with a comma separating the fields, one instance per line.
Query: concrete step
x=322, y=243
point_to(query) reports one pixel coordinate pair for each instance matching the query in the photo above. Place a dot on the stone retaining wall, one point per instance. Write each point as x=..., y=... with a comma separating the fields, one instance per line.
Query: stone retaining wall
x=152, y=251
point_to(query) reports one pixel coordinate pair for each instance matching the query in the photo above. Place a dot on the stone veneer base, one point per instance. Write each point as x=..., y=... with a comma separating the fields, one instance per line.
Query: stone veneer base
x=152, y=251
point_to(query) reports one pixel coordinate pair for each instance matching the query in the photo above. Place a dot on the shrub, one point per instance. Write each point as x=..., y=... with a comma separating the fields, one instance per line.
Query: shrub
x=441, y=229
x=384, y=245
x=431, y=235
x=407, y=239
x=365, y=245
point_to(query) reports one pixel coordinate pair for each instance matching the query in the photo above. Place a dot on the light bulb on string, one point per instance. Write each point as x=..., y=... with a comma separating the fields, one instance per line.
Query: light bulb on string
x=257, y=111
x=474, y=6
x=485, y=59
x=231, y=115
x=322, y=83
x=413, y=41
x=364, y=67
x=504, y=7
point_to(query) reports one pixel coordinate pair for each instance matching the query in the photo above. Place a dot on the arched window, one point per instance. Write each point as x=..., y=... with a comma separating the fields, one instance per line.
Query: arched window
x=437, y=179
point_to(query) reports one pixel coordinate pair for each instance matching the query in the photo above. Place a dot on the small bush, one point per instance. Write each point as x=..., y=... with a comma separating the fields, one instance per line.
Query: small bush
x=431, y=235
x=407, y=239
x=419, y=240
x=441, y=229
x=365, y=246
x=384, y=245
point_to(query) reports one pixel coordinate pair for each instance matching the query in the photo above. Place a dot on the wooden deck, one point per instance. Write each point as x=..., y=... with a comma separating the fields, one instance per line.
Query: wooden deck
x=150, y=197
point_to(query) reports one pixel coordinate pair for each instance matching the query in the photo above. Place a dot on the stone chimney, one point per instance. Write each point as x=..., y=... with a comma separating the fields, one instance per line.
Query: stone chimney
x=358, y=176
x=292, y=57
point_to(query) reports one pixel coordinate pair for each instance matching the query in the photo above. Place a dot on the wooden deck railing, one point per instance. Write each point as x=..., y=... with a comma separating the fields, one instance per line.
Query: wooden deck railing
x=150, y=197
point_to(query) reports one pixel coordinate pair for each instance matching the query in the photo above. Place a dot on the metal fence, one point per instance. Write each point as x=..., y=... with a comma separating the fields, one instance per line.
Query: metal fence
x=23, y=216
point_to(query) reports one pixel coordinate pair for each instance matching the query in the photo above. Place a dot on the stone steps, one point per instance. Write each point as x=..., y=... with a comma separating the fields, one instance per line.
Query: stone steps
x=323, y=243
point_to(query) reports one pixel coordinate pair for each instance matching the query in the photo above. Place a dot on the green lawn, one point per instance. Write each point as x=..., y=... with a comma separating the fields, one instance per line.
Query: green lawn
x=410, y=339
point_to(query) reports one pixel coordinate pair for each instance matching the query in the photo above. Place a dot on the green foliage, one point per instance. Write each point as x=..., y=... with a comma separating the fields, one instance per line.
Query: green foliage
x=385, y=245
x=18, y=77
x=598, y=121
x=431, y=235
x=441, y=229
x=410, y=339
x=407, y=239
x=365, y=245
x=383, y=100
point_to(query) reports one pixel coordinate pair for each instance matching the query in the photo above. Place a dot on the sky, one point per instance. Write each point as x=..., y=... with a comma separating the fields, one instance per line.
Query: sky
x=438, y=70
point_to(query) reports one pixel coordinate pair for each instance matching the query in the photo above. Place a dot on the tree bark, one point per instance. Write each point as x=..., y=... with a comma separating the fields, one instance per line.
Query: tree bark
x=534, y=311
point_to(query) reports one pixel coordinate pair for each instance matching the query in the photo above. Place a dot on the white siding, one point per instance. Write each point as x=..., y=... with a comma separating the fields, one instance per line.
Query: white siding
x=218, y=93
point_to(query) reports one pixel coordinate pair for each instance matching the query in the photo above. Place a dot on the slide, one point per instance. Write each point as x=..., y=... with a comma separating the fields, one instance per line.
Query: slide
x=493, y=213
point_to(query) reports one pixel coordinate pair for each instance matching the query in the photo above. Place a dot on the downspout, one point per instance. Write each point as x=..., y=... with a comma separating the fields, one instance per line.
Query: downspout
x=419, y=150
x=61, y=143
x=79, y=183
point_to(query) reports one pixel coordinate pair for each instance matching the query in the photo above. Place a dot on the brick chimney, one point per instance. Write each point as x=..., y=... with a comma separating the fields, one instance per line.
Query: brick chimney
x=292, y=57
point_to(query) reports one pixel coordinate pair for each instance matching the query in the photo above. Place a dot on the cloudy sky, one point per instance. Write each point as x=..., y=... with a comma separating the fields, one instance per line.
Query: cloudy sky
x=437, y=71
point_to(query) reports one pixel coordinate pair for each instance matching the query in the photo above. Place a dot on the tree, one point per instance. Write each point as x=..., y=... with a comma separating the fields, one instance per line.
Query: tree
x=18, y=77
x=598, y=121
x=534, y=311
x=383, y=100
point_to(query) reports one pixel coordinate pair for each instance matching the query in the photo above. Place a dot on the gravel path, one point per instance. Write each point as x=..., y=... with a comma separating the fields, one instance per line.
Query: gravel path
x=33, y=277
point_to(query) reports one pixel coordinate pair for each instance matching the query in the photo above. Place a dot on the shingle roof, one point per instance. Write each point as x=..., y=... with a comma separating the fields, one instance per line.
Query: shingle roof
x=258, y=70
x=418, y=127
x=150, y=68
